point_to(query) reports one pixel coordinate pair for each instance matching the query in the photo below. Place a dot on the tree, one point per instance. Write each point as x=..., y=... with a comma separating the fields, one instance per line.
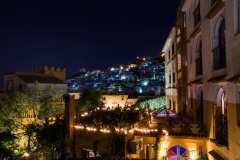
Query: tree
x=30, y=131
x=22, y=112
x=153, y=104
x=51, y=140
x=35, y=103
x=7, y=144
x=89, y=100
x=8, y=113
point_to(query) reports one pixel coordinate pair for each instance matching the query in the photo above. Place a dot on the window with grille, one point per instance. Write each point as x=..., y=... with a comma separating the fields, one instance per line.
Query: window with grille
x=199, y=59
x=197, y=15
x=219, y=52
x=221, y=123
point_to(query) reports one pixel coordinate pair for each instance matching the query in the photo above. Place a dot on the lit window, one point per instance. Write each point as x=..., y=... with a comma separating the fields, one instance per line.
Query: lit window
x=140, y=90
x=145, y=83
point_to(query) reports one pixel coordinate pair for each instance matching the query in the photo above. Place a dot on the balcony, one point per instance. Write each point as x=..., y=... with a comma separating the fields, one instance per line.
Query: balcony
x=222, y=130
x=198, y=66
x=219, y=57
x=197, y=16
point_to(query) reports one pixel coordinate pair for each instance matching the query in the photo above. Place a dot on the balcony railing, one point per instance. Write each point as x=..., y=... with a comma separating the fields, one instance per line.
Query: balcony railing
x=222, y=129
x=198, y=66
x=212, y=2
x=197, y=15
x=219, y=57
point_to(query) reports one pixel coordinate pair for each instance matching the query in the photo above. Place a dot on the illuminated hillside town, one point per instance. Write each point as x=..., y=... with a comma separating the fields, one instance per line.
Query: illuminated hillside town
x=183, y=104
x=144, y=76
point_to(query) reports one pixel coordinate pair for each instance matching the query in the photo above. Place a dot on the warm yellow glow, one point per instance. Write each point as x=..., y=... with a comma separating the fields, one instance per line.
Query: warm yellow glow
x=192, y=154
x=79, y=127
x=164, y=149
x=105, y=130
x=91, y=129
x=25, y=154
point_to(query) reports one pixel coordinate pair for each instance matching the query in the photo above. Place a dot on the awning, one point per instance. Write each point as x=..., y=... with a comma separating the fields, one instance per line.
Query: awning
x=216, y=155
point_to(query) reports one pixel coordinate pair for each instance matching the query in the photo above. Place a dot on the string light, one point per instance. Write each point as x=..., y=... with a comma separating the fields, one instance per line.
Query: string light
x=164, y=149
x=119, y=130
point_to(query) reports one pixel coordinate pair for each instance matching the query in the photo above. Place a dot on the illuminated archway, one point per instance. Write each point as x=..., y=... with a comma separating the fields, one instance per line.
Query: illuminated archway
x=221, y=118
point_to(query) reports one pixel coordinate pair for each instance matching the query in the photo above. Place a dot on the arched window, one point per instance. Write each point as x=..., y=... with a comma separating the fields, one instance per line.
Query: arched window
x=196, y=13
x=198, y=59
x=221, y=120
x=219, y=52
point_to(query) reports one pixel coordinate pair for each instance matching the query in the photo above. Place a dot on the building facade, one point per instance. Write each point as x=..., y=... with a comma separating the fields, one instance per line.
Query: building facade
x=16, y=81
x=171, y=71
x=210, y=94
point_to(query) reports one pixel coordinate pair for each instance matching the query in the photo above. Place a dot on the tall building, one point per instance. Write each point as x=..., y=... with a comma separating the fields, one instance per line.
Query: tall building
x=208, y=86
x=171, y=71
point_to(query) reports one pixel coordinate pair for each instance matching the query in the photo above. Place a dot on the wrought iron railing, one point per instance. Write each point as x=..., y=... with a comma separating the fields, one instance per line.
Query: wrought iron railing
x=198, y=66
x=219, y=57
x=197, y=15
x=222, y=129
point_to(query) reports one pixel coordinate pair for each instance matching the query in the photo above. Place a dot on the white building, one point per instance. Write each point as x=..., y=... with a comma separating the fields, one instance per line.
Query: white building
x=16, y=81
x=213, y=72
x=171, y=70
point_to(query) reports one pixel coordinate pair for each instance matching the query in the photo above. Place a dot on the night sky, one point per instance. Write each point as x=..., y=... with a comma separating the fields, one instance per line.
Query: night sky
x=75, y=34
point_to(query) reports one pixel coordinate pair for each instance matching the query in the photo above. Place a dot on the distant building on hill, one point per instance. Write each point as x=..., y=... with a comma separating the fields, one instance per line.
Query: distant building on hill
x=16, y=81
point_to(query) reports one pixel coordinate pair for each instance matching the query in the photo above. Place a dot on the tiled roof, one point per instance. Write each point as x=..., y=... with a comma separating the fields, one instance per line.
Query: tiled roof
x=40, y=79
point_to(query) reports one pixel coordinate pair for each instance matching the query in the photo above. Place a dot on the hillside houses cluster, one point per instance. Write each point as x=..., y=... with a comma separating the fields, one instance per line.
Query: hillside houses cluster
x=142, y=76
